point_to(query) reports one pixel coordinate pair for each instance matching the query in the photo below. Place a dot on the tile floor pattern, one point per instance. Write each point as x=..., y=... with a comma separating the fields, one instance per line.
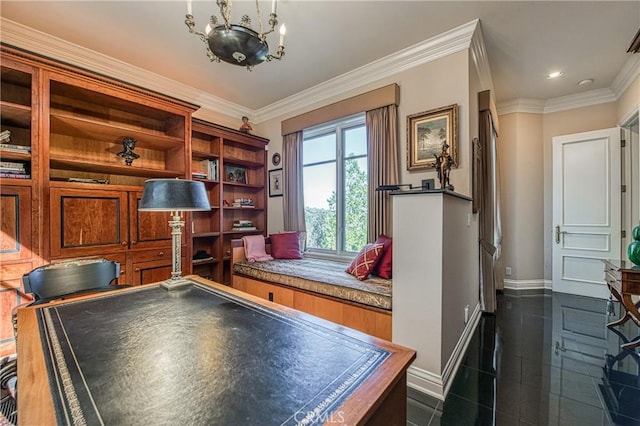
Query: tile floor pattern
x=543, y=359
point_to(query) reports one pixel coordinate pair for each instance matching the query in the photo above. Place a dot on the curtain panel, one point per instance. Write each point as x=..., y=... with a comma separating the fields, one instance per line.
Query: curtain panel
x=490, y=232
x=382, y=167
x=293, y=196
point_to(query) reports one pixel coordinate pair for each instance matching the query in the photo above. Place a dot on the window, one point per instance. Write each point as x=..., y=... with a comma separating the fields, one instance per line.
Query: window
x=335, y=186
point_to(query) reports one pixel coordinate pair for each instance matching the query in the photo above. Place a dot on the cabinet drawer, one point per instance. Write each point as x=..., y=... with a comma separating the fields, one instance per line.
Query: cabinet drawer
x=162, y=253
x=152, y=271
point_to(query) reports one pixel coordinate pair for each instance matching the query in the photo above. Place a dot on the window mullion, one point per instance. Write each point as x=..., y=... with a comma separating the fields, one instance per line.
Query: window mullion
x=341, y=191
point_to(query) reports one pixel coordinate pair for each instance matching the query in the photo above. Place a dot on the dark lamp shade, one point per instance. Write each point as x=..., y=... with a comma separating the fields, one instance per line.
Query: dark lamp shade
x=174, y=195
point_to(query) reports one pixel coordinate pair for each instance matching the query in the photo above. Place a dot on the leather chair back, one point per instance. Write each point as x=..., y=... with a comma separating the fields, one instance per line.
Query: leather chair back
x=57, y=280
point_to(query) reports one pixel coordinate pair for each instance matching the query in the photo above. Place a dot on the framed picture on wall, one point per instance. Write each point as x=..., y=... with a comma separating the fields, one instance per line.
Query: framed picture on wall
x=428, y=132
x=276, y=183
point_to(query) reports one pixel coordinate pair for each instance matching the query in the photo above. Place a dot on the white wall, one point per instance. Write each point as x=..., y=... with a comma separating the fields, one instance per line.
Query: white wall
x=435, y=256
x=520, y=161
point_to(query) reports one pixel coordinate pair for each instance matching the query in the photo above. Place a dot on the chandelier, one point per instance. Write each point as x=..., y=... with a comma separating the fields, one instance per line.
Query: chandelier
x=238, y=44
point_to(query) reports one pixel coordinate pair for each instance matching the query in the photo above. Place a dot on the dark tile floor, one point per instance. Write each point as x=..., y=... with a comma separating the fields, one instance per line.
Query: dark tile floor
x=542, y=360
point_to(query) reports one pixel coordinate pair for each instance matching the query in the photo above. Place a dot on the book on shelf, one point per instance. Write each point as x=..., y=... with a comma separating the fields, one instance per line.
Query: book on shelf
x=5, y=136
x=15, y=148
x=15, y=175
x=243, y=202
x=88, y=180
x=12, y=170
x=209, y=168
x=244, y=228
x=198, y=175
x=12, y=165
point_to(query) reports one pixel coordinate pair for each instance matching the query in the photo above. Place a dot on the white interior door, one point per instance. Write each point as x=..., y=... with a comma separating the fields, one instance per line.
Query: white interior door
x=586, y=210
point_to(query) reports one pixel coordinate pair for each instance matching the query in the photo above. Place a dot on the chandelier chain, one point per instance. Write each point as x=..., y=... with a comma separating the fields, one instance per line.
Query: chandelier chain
x=262, y=35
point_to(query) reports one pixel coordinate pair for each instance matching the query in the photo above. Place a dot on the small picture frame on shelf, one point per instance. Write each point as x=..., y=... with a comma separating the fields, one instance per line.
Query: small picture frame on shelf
x=276, y=183
x=235, y=174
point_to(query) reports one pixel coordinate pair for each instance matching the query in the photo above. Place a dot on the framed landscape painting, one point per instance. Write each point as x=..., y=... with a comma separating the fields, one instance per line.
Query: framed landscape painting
x=427, y=132
x=235, y=174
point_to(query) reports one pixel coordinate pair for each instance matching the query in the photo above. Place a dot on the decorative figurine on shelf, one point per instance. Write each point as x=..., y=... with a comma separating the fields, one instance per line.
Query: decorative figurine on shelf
x=633, y=251
x=444, y=161
x=128, y=144
x=246, y=127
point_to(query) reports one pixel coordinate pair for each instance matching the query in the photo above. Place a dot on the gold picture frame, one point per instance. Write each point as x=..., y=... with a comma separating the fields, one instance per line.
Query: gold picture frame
x=426, y=133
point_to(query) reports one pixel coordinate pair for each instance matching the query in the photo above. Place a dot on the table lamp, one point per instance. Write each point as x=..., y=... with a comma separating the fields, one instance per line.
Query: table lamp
x=175, y=196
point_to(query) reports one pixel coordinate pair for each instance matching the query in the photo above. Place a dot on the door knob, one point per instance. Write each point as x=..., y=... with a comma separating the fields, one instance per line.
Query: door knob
x=558, y=233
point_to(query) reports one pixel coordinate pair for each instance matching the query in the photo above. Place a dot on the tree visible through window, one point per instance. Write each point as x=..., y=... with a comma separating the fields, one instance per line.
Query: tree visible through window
x=335, y=185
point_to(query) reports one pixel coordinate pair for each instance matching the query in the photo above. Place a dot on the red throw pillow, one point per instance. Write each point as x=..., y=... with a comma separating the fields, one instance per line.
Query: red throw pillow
x=286, y=245
x=383, y=269
x=365, y=261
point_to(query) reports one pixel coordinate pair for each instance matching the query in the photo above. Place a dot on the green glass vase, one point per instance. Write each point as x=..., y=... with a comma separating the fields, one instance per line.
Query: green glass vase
x=633, y=251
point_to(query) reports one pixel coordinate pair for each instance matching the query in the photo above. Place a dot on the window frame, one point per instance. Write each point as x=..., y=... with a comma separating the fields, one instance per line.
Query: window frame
x=337, y=127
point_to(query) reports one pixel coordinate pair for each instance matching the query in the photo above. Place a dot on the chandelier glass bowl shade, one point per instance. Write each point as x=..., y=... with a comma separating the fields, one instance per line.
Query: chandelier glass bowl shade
x=238, y=44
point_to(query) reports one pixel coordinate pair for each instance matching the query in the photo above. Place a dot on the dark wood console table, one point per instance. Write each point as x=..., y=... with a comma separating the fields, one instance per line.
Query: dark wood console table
x=624, y=282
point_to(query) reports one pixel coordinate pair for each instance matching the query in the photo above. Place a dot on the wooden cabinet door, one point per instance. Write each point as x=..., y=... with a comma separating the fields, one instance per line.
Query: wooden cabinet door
x=266, y=291
x=15, y=223
x=87, y=222
x=148, y=229
x=153, y=271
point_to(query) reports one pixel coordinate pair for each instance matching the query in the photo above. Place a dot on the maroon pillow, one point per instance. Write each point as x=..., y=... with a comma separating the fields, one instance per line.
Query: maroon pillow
x=383, y=269
x=365, y=261
x=286, y=245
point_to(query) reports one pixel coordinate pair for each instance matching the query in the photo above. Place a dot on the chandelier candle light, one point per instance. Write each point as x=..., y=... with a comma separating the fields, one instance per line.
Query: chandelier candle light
x=238, y=44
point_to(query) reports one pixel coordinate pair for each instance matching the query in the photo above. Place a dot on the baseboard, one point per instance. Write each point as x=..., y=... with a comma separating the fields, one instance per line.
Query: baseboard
x=527, y=284
x=425, y=382
x=452, y=365
x=437, y=386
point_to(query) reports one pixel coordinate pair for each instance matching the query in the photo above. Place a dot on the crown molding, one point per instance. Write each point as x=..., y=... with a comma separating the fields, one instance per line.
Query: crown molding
x=627, y=75
x=47, y=45
x=563, y=103
x=447, y=43
x=592, y=97
x=481, y=59
x=524, y=105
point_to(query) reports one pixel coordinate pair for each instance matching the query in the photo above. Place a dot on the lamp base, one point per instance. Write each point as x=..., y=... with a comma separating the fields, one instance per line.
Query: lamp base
x=175, y=283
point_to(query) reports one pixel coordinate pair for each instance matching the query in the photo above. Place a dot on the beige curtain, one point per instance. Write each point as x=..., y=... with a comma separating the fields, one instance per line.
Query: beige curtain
x=382, y=167
x=293, y=184
x=490, y=233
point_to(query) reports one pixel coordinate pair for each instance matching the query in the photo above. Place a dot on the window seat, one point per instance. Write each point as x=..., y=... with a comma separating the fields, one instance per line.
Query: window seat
x=319, y=287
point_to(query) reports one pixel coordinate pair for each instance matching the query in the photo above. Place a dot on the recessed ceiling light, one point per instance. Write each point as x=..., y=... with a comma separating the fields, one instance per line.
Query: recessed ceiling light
x=585, y=82
x=554, y=74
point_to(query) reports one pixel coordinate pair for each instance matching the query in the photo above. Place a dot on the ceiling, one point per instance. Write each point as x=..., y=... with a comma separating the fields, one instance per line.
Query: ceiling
x=524, y=40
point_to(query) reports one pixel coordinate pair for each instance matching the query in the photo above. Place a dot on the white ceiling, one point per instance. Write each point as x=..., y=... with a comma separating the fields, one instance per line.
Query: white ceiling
x=325, y=39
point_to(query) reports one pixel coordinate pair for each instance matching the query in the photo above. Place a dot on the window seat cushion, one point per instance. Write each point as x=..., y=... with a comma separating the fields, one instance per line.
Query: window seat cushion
x=320, y=276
